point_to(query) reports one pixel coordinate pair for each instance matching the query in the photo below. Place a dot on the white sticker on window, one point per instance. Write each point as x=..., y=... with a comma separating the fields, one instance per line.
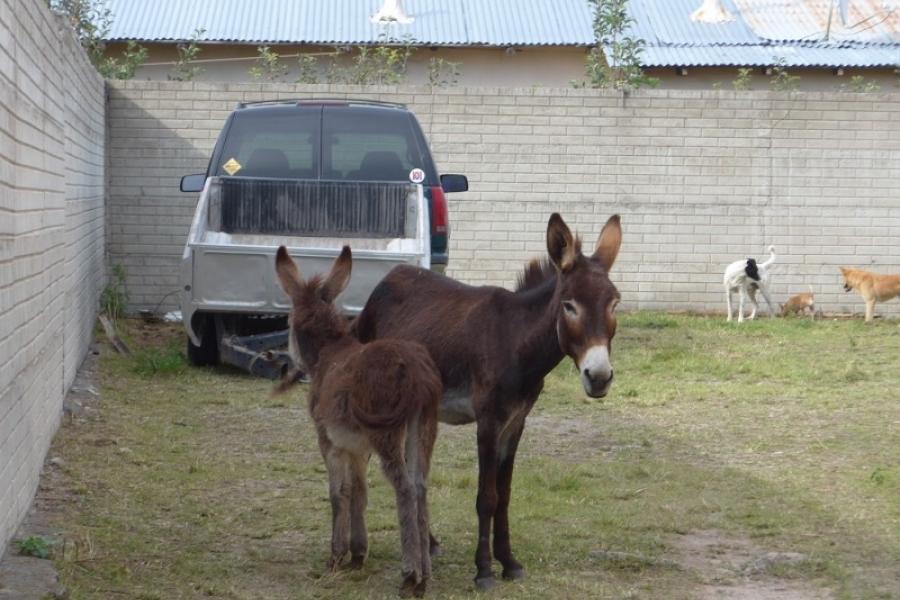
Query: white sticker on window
x=417, y=175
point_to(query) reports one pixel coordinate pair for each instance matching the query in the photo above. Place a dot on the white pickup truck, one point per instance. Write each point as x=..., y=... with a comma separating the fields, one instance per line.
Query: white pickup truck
x=312, y=175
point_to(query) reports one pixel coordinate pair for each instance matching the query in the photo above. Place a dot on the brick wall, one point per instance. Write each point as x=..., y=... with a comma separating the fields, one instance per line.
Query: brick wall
x=51, y=235
x=700, y=178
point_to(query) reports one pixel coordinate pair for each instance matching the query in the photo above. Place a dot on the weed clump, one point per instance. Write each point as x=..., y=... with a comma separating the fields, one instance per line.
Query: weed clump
x=151, y=362
x=35, y=546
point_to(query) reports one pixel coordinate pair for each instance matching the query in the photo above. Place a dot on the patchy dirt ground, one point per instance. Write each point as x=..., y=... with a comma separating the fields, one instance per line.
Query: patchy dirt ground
x=27, y=577
x=736, y=568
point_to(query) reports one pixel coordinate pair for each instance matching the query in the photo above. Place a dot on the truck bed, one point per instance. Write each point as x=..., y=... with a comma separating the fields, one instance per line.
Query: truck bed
x=228, y=263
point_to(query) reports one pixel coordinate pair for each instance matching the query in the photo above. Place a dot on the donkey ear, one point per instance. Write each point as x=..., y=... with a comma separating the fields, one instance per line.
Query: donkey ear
x=338, y=277
x=288, y=273
x=609, y=242
x=561, y=245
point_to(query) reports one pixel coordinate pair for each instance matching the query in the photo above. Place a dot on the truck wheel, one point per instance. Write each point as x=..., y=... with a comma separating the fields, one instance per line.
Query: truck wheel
x=207, y=353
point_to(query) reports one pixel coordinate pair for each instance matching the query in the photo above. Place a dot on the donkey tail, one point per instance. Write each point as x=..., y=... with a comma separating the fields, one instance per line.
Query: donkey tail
x=394, y=381
x=771, y=259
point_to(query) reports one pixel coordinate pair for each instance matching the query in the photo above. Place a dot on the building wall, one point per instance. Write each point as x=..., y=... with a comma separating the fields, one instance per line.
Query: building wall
x=812, y=80
x=520, y=67
x=52, y=152
x=700, y=179
x=546, y=66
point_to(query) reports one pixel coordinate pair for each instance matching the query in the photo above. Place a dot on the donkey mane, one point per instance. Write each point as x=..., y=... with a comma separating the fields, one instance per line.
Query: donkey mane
x=538, y=271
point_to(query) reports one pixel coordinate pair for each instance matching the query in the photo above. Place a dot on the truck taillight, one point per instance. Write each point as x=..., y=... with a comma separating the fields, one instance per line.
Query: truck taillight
x=214, y=204
x=438, y=211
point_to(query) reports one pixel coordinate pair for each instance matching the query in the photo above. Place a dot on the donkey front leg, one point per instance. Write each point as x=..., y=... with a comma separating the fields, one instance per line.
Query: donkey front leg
x=339, y=490
x=359, y=537
x=394, y=467
x=512, y=569
x=486, y=503
x=421, y=485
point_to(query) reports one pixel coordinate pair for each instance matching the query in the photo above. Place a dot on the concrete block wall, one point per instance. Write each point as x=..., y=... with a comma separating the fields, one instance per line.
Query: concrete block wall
x=700, y=178
x=52, y=149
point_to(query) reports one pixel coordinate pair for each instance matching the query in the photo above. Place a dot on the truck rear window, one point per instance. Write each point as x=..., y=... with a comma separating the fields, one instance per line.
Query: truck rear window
x=279, y=145
x=355, y=144
x=362, y=146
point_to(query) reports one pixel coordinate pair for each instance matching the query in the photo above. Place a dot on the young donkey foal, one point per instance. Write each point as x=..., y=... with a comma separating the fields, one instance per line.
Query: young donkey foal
x=380, y=397
x=494, y=347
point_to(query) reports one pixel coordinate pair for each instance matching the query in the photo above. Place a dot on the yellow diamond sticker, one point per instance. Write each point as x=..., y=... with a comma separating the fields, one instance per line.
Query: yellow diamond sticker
x=232, y=166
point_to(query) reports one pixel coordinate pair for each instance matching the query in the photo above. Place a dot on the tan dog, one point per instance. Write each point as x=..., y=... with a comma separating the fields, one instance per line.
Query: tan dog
x=871, y=286
x=800, y=304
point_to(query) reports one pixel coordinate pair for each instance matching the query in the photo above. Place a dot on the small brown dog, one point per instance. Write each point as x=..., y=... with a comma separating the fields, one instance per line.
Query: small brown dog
x=871, y=286
x=800, y=304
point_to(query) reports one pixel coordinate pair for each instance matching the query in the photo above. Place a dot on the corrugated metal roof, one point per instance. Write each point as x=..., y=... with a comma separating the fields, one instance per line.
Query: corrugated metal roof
x=766, y=31
x=762, y=32
x=868, y=22
x=436, y=22
x=793, y=56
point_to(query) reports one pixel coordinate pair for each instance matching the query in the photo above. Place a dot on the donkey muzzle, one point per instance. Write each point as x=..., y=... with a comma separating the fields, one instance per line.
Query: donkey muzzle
x=596, y=372
x=597, y=389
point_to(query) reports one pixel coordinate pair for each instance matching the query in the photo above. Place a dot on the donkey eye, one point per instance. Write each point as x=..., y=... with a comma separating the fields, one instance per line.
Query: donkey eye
x=570, y=308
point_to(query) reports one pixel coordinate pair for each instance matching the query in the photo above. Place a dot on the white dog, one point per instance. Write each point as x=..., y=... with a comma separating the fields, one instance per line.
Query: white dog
x=745, y=277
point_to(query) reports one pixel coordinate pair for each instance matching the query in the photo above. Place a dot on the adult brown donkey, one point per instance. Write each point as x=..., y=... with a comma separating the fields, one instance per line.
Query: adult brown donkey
x=494, y=347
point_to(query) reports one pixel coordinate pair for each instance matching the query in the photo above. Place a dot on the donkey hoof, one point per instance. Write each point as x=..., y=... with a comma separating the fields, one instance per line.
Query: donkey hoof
x=420, y=588
x=483, y=584
x=514, y=573
x=356, y=563
x=409, y=586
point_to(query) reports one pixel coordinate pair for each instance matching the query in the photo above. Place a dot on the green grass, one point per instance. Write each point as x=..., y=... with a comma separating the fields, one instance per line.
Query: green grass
x=159, y=361
x=193, y=483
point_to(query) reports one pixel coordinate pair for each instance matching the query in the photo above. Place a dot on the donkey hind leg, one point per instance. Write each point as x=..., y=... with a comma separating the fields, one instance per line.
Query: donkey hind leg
x=512, y=569
x=395, y=470
x=486, y=503
x=419, y=444
x=339, y=490
x=359, y=537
